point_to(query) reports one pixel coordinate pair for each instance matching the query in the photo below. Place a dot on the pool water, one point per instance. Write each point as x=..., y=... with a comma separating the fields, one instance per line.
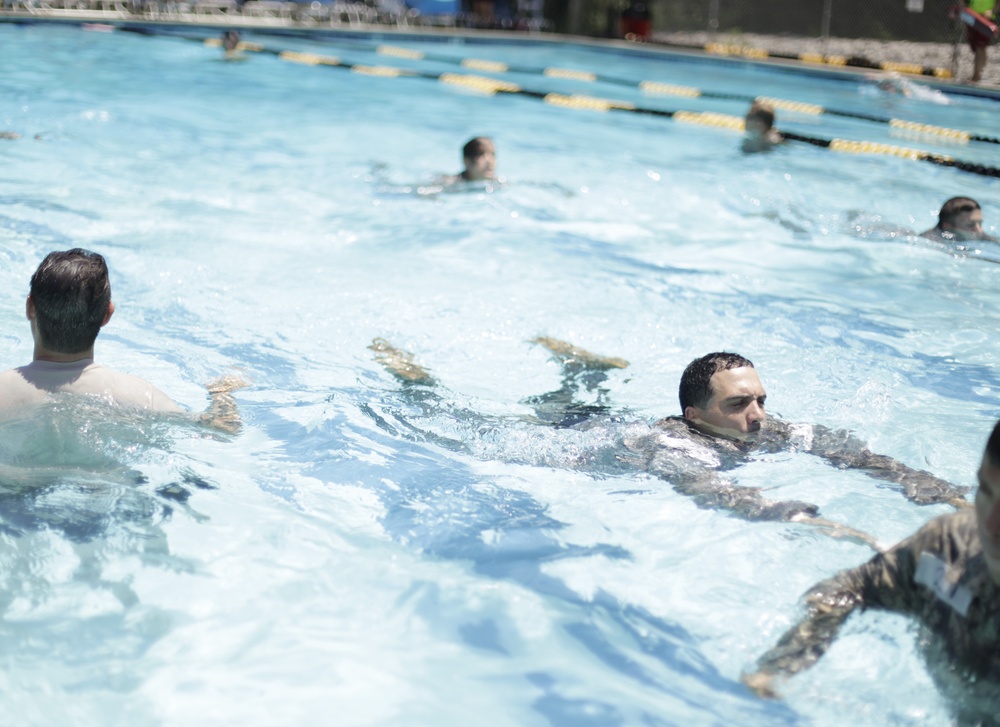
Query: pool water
x=361, y=556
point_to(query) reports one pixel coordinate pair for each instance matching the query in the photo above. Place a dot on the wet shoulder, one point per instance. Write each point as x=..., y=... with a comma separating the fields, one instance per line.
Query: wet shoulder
x=17, y=391
x=672, y=442
x=952, y=537
x=124, y=389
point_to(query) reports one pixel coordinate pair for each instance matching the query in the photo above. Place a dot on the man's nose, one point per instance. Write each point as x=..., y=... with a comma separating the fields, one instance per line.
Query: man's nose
x=755, y=412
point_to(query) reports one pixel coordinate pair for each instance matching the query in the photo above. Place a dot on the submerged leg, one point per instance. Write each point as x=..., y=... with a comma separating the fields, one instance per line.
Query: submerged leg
x=419, y=391
x=400, y=363
x=581, y=369
x=570, y=354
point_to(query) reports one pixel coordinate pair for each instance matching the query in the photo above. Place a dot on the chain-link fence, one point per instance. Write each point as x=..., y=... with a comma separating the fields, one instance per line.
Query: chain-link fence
x=912, y=20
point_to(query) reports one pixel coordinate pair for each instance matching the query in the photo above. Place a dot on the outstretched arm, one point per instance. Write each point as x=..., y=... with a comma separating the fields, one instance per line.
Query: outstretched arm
x=222, y=412
x=710, y=491
x=828, y=605
x=886, y=581
x=713, y=492
x=842, y=449
x=690, y=462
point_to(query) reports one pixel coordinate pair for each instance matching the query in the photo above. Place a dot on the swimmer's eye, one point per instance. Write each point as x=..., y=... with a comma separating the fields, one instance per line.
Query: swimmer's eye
x=744, y=402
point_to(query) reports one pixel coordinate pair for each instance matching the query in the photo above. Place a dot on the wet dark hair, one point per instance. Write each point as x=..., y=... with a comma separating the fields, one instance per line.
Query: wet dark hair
x=696, y=381
x=476, y=147
x=993, y=446
x=762, y=111
x=953, y=207
x=71, y=294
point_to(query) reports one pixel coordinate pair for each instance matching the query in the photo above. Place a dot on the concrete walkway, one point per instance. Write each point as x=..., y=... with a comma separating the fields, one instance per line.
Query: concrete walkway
x=939, y=55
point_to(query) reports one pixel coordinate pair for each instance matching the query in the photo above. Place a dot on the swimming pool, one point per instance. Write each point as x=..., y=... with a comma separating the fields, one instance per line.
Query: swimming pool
x=331, y=564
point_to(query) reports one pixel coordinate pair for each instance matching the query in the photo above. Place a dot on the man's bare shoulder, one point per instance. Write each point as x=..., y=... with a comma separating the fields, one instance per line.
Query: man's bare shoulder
x=16, y=391
x=14, y=376
x=36, y=382
x=127, y=389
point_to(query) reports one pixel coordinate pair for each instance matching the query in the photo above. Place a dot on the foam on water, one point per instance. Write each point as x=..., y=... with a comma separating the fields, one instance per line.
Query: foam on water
x=360, y=553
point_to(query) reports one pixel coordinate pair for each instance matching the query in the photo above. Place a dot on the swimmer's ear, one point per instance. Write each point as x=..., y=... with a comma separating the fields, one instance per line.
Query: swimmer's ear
x=690, y=413
x=111, y=310
x=29, y=309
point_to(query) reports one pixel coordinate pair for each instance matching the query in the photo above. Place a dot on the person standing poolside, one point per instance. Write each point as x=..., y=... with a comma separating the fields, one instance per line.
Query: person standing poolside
x=760, y=132
x=947, y=576
x=978, y=42
x=960, y=220
x=724, y=425
x=68, y=304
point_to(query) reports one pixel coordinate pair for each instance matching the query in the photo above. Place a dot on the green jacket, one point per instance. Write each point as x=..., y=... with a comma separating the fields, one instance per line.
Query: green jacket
x=983, y=7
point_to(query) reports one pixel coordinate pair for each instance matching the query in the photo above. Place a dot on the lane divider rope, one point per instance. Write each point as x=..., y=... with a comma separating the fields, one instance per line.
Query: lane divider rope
x=493, y=86
x=728, y=49
x=667, y=89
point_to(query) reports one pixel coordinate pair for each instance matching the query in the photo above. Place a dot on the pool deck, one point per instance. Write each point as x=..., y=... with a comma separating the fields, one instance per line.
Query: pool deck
x=213, y=22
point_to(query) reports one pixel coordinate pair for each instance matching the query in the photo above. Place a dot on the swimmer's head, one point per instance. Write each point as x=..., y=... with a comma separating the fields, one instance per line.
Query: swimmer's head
x=721, y=394
x=962, y=217
x=69, y=300
x=988, y=504
x=230, y=40
x=759, y=119
x=891, y=82
x=480, y=158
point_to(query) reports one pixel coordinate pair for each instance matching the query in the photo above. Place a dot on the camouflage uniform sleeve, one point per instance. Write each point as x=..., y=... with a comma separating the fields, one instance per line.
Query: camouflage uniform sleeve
x=842, y=449
x=885, y=582
x=712, y=492
x=696, y=476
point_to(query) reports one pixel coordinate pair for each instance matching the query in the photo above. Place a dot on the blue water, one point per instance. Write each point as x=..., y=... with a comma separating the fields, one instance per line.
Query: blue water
x=359, y=556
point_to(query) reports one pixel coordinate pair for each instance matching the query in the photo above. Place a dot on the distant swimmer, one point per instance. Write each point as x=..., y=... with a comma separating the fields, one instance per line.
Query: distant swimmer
x=479, y=158
x=68, y=304
x=894, y=84
x=947, y=576
x=760, y=132
x=891, y=83
x=479, y=155
x=723, y=426
x=231, y=44
x=960, y=220
x=14, y=136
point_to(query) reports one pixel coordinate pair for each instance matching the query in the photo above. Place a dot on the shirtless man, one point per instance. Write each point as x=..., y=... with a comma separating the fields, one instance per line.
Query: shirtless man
x=960, y=220
x=947, y=576
x=723, y=424
x=68, y=304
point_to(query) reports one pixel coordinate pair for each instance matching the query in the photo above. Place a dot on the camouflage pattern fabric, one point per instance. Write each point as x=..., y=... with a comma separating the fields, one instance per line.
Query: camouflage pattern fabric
x=693, y=462
x=938, y=576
